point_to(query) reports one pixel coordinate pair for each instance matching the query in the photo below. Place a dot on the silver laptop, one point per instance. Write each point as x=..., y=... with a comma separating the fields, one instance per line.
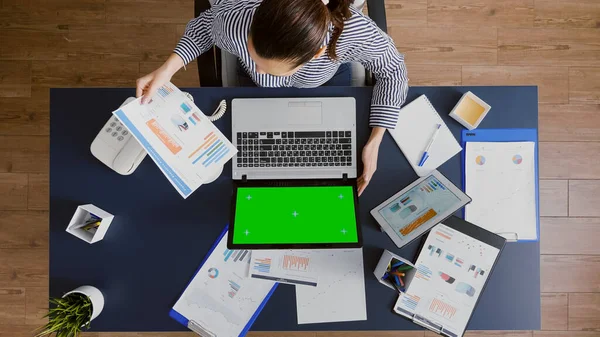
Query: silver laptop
x=294, y=138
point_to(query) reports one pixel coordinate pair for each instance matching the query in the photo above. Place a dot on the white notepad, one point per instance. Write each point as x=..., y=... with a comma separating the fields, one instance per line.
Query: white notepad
x=416, y=124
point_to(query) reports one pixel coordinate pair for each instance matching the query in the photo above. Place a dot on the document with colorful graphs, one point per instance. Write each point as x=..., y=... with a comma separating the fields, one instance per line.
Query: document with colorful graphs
x=452, y=269
x=180, y=139
x=284, y=266
x=501, y=179
x=220, y=300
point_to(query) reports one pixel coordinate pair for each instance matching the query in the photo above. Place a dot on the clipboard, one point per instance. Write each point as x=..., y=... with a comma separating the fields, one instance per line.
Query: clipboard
x=475, y=232
x=204, y=331
x=506, y=135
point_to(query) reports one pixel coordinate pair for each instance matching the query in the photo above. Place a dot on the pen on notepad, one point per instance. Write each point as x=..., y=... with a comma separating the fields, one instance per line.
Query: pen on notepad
x=426, y=152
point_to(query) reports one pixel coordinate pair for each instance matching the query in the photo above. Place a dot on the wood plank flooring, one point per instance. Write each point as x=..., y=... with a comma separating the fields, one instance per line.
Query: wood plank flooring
x=109, y=43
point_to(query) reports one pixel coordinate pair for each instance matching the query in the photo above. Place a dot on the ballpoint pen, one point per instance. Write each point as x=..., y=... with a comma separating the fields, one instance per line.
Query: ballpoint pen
x=426, y=152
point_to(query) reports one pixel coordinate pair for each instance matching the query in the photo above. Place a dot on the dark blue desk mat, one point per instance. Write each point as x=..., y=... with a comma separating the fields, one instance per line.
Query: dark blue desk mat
x=158, y=239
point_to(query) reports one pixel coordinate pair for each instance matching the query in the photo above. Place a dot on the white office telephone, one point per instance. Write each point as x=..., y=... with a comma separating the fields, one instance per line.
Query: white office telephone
x=118, y=149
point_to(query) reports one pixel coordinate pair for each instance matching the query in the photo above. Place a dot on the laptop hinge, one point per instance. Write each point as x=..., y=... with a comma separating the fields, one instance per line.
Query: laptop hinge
x=244, y=178
x=345, y=176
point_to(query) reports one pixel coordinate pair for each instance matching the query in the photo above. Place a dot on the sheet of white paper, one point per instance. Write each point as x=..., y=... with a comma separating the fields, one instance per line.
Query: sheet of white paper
x=221, y=298
x=183, y=143
x=340, y=294
x=500, y=177
x=284, y=266
x=451, y=271
x=417, y=122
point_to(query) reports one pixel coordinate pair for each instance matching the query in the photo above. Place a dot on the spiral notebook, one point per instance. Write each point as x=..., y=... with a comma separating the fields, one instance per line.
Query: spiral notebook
x=417, y=122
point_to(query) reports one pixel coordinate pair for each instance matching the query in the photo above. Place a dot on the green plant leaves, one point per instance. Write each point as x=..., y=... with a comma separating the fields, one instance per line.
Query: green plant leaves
x=67, y=316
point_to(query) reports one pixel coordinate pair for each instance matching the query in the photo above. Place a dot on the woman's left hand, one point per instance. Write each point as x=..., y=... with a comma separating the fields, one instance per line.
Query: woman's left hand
x=369, y=157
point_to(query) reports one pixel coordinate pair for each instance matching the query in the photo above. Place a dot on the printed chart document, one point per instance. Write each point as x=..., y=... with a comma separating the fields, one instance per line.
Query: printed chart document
x=285, y=266
x=220, y=298
x=452, y=269
x=340, y=294
x=500, y=177
x=180, y=139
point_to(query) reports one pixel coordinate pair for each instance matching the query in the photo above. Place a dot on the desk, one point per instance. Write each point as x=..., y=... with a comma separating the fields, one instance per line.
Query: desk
x=157, y=239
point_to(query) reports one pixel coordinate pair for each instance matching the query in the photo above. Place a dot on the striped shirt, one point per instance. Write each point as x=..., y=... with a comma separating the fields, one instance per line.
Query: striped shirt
x=227, y=24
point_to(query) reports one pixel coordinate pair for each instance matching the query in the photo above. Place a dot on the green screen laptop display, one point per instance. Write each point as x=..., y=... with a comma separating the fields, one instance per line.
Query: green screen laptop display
x=295, y=216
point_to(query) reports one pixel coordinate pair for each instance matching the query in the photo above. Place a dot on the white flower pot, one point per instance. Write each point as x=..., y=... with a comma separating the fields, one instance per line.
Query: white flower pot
x=95, y=296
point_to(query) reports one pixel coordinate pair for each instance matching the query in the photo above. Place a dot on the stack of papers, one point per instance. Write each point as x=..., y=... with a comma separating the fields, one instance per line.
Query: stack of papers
x=183, y=143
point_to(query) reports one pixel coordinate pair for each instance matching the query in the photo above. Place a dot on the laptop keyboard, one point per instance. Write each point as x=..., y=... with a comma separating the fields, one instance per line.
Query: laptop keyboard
x=294, y=149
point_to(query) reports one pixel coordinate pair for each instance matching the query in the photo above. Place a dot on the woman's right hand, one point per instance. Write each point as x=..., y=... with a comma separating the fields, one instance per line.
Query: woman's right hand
x=147, y=85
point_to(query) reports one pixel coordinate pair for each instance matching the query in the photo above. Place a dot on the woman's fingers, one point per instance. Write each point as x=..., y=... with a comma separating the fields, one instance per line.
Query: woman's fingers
x=362, y=184
x=149, y=91
x=140, y=85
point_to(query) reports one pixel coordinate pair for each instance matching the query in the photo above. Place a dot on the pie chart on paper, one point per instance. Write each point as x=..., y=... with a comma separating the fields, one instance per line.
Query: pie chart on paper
x=517, y=159
x=213, y=272
x=480, y=160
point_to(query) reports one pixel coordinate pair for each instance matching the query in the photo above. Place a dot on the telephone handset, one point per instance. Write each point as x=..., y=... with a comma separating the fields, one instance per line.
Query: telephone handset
x=118, y=149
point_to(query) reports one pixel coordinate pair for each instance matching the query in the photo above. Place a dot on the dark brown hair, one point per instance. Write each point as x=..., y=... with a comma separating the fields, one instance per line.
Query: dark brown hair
x=295, y=30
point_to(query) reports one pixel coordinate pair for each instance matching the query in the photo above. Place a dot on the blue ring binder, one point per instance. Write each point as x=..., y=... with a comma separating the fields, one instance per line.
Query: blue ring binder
x=186, y=322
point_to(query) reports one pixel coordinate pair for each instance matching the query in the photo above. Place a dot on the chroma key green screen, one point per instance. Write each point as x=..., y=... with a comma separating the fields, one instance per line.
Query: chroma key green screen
x=295, y=215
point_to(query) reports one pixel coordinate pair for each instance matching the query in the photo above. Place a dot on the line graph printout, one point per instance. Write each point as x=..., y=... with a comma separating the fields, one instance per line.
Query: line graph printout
x=220, y=298
x=340, y=295
x=500, y=177
x=285, y=266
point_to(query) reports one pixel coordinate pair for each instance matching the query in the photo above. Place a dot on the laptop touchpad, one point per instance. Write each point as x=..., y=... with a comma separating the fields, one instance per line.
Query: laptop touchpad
x=304, y=113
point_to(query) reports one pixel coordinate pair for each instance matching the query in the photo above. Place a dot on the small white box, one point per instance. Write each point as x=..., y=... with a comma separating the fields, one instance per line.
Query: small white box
x=84, y=214
x=470, y=110
x=383, y=263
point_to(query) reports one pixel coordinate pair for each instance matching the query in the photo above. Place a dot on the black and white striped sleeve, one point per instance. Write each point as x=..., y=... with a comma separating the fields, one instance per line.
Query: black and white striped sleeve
x=379, y=55
x=197, y=38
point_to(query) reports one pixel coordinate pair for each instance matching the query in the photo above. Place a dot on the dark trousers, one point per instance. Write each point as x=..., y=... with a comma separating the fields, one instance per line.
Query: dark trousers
x=341, y=78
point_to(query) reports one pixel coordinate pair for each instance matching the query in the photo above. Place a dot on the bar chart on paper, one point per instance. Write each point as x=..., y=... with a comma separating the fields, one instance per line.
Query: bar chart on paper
x=297, y=263
x=194, y=118
x=262, y=265
x=210, y=152
x=233, y=288
x=292, y=267
x=164, y=91
x=236, y=255
x=185, y=107
x=442, y=308
x=409, y=301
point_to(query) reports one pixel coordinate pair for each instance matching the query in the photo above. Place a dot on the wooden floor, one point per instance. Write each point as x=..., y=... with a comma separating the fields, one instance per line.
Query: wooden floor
x=554, y=44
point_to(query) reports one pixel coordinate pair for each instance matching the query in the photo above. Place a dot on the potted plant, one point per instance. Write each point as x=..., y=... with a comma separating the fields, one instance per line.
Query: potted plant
x=73, y=312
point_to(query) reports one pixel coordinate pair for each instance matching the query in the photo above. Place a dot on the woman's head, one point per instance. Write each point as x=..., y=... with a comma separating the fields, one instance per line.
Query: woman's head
x=285, y=34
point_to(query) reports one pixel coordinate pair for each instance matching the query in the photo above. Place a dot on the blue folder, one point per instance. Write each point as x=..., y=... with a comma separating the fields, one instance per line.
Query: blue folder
x=505, y=135
x=184, y=321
